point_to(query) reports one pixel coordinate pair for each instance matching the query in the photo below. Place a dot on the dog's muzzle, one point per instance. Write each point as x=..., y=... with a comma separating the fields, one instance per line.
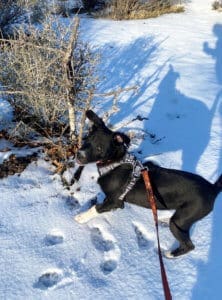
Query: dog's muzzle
x=81, y=157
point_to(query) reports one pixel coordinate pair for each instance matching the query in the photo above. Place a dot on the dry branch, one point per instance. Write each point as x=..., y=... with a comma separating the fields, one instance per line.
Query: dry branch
x=68, y=67
x=115, y=94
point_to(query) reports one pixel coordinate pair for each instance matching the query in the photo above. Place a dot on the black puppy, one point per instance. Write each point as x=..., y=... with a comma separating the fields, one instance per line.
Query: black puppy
x=191, y=196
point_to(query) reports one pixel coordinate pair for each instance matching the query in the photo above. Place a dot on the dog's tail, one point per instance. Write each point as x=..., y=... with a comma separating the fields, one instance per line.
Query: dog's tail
x=218, y=184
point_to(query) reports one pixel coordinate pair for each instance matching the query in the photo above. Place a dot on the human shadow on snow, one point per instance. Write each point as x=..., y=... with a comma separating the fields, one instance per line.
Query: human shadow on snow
x=185, y=122
x=208, y=281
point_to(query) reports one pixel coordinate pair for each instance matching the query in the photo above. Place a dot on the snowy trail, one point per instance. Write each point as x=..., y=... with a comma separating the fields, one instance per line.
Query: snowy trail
x=176, y=61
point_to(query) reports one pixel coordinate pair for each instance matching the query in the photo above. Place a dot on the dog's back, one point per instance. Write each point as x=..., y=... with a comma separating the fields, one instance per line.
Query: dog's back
x=177, y=187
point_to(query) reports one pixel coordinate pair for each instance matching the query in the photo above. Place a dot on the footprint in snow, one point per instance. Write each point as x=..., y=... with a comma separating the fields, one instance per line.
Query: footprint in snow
x=142, y=237
x=48, y=279
x=54, y=237
x=106, y=244
x=100, y=242
x=108, y=266
x=72, y=203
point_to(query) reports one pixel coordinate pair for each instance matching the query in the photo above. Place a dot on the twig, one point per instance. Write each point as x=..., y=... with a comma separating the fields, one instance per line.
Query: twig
x=13, y=92
x=22, y=43
x=83, y=120
x=138, y=118
x=115, y=94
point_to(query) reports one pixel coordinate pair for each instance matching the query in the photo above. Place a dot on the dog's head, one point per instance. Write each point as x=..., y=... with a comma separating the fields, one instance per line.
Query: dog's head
x=101, y=143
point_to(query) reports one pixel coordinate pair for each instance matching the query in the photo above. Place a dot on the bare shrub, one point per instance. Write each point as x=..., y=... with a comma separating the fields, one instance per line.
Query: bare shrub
x=138, y=9
x=12, y=12
x=63, y=8
x=60, y=9
x=91, y=4
x=37, y=10
x=48, y=77
x=217, y=5
x=17, y=12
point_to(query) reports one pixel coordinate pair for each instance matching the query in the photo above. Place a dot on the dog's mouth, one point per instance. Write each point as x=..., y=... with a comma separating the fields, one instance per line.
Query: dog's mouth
x=80, y=162
x=81, y=158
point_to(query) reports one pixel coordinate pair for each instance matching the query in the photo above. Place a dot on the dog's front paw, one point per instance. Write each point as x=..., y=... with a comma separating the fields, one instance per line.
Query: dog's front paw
x=164, y=222
x=86, y=216
x=80, y=218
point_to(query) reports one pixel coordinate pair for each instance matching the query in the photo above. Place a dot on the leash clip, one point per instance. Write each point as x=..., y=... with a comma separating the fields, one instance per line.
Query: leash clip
x=144, y=169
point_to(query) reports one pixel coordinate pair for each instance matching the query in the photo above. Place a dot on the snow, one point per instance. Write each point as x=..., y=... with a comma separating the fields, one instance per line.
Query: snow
x=176, y=62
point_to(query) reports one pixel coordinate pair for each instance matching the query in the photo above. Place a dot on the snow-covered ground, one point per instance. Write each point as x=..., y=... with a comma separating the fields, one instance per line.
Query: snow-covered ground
x=176, y=62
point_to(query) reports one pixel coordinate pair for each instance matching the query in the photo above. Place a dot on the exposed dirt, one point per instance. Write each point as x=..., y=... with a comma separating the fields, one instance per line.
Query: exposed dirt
x=15, y=164
x=58, y=155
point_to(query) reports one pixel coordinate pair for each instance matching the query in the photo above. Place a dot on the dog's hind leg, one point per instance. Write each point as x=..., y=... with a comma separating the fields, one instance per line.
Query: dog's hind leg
x=180, y=228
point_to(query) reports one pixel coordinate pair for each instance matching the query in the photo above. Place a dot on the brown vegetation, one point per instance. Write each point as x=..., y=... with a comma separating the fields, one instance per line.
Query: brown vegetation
x=137, y=9
x=217, y=5
x=15, y=165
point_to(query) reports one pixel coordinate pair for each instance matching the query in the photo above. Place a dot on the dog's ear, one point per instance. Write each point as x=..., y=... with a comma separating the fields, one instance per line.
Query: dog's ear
x=94, y=118
x=120, y=138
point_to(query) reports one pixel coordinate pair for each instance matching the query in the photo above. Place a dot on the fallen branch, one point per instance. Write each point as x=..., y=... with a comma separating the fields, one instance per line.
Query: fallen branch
x=138, y=118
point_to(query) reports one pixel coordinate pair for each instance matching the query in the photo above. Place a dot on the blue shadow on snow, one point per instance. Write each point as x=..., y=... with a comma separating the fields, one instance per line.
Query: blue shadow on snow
x=208, y=284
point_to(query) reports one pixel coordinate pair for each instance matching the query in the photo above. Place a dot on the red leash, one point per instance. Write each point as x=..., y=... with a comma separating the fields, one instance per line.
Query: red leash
x=151, y=199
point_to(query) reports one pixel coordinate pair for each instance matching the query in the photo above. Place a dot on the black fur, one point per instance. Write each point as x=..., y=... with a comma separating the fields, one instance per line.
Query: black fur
x=191, y=196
